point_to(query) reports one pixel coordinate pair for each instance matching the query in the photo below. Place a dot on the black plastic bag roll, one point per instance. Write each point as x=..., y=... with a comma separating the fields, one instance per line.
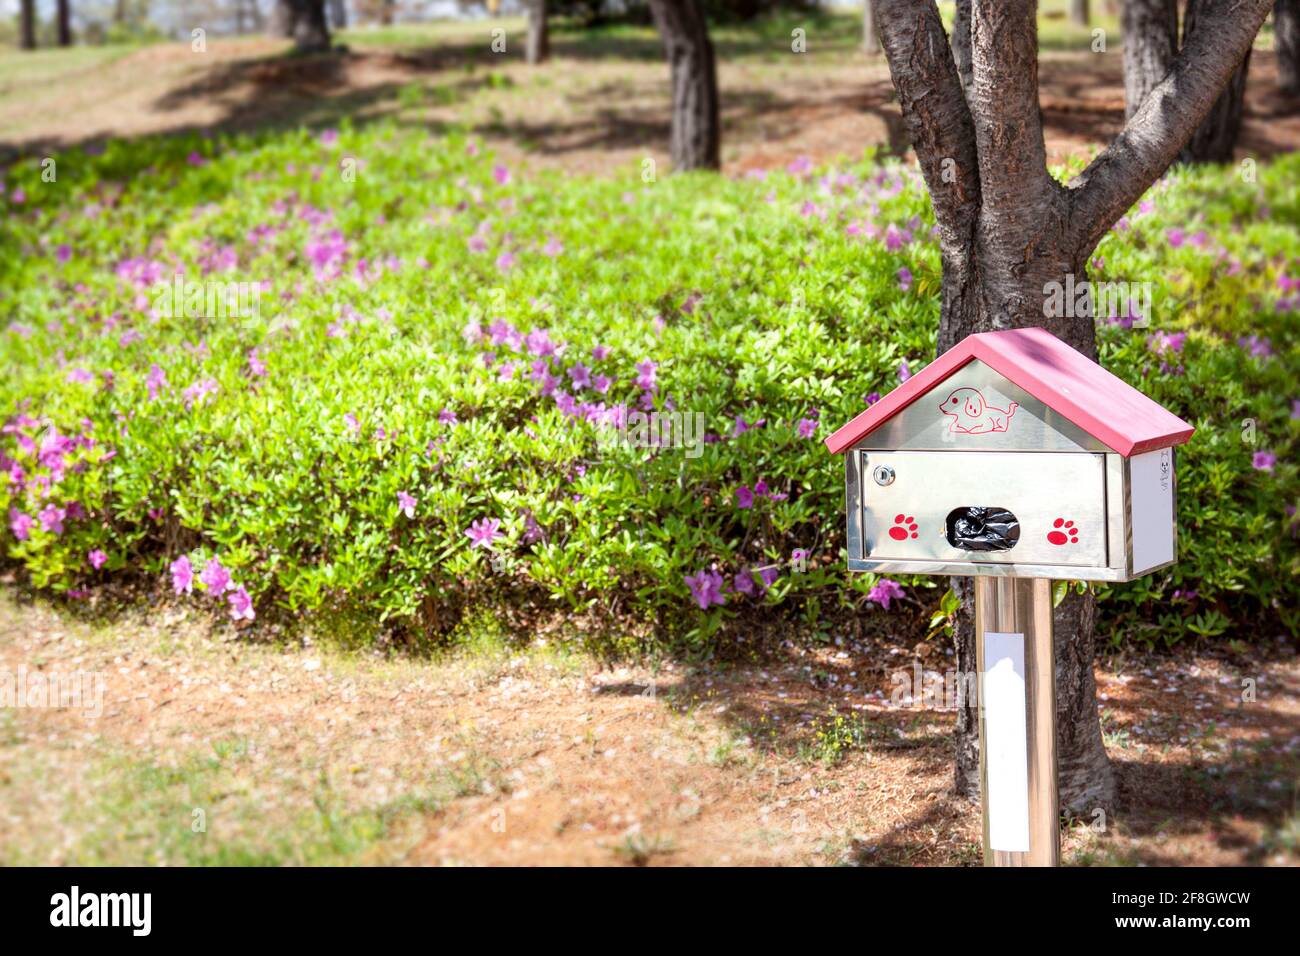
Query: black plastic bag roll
x=983, y=528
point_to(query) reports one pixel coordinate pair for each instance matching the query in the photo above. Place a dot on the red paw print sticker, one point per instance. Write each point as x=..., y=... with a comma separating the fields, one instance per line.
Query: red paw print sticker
x=1065, y=532
x=904, y=528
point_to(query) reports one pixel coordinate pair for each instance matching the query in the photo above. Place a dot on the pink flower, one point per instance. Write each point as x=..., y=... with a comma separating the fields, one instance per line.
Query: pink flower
x=872, y=398
x=744, y=582
x=215, y=577
x=484, y=532
x=706, y=588
x=599, y=353
x=406, y=504
x=553, y=247
x=532, y=530
x=807, y=428
x=447, y=417
x=505, y=261
x=1174, y=237
x=20, y=524
x=241, y=605
x=500, y=175
x=51, y=518
x=97, y=559
x=156, y=380
x=1263, y=461
x=904, y=371
x=744, y=497
x=884, y=592
x=646, y=373
x=905, y=278
x=580, y=375
x=328, y=137
x=182, y=575
x=200, y=390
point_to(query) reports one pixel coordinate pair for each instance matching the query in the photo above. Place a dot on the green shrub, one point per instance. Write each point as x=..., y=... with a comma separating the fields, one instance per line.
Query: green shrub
x=285, y=443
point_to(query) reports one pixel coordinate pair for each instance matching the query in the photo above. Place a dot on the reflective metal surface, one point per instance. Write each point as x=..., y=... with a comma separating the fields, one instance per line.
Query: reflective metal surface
x=1059, y=501
x=973, y=409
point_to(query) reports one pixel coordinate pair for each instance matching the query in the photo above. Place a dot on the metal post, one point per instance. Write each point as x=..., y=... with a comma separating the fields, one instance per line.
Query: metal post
x=1014, y=655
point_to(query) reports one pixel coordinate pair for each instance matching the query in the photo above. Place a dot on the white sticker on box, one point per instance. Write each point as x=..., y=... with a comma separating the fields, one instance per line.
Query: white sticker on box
x=1006, y=743
x=1151, y=481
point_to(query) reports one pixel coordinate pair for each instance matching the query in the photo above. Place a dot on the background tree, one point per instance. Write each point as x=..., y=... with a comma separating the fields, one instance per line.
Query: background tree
x=62, y=23
x=1150, y=46
x=1079, y=12
x=538, y=45
x=1007, y=228
x=27, y=24
x=304, y=21
x=338, y=14
x=695, y=126
x=870, y=35
x=1286, y=41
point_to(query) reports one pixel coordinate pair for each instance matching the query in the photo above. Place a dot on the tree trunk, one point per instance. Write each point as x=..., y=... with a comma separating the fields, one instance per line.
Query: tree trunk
x=27, y=25
x=1286, y=40
x=1079, y=12
x=539, y=40
x=1007, y=228
x=870, y=35
x=63, y=25
x=1150, y=45
x=1216, y=138
x=338, y=14
x=961, y=42
x=695, y=126
x=304, y=20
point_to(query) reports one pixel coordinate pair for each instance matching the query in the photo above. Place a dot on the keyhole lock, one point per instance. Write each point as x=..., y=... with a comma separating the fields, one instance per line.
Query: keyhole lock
x=884, y=475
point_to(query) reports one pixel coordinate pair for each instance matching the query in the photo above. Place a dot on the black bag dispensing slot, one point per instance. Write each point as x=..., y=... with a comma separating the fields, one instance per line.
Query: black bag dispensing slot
x=983, y=528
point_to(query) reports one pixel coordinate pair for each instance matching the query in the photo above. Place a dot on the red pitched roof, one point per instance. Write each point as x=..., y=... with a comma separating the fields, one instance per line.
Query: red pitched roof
x=1112, y=411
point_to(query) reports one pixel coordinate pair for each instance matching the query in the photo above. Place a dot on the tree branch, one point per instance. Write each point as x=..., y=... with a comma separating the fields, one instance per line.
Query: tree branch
x=1162, y=125
x=935, y=112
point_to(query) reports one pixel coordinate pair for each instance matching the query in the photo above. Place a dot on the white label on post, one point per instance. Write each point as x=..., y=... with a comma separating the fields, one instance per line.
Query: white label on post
x=1007, y=757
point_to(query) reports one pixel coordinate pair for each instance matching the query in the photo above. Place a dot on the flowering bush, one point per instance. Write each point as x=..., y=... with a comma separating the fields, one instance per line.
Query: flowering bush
x=458, y=383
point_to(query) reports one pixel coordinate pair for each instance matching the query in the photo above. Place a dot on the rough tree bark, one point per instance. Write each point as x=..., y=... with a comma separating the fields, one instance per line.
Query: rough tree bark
x=1150, y=45
x=538, y=46
x=1079, y=12
x=1216, y=138
x=27, y=25
x=1286, y=40
x=695, y=127
x=63, y=25
x=304, y=21
x=961, y=42
x=870, y=35
x=1006, y=228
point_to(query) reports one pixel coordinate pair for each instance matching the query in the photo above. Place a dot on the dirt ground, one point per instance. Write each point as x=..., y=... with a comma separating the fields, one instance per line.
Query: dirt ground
x=498, y=756
x=592, y=108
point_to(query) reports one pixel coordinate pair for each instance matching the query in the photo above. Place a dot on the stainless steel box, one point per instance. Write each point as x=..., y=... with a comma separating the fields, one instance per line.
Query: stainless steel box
x=1076, y=498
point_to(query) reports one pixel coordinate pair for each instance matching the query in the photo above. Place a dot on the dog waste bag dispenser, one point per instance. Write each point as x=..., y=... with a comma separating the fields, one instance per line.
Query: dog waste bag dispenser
x=1015, y=459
